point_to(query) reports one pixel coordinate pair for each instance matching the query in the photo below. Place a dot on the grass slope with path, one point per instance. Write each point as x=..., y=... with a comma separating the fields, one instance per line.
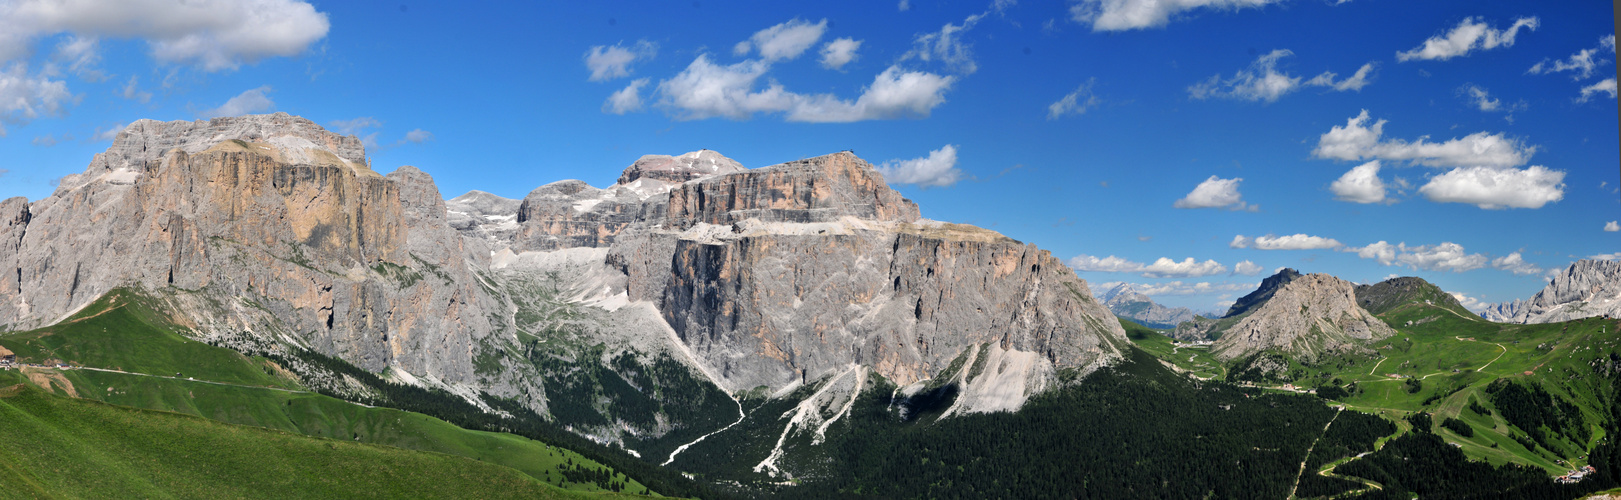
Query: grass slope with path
x=1443, y=362
x=222, y=385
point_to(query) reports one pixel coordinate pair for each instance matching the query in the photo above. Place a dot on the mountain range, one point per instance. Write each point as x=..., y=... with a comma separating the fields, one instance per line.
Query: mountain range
x=707, y=329
x=1586, y=289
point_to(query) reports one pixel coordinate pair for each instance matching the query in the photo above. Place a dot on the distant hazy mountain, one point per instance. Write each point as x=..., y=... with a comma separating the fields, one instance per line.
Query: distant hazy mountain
x=1586, y=289
x=1126, y=302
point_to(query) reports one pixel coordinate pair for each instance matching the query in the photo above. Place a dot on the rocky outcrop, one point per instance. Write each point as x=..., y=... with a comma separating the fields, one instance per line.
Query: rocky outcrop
x=1126, y=302
x=773, y=309
x=267, y=216
x=1307, y=317
x=1588, y=288
x=821, y=189
x=1269, y=286
x=658, y=173
x=783, y=274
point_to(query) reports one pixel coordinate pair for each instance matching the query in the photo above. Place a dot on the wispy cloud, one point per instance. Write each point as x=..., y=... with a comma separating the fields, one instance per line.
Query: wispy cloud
x=607, y=62
x=1121, y=15
x=1074, y=103
x=1469, y=35
x=250, y=101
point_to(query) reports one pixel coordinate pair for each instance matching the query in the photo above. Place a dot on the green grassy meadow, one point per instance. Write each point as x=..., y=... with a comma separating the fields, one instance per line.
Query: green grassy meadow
x=1453, y=358
x=60, y=447
x=226, y=387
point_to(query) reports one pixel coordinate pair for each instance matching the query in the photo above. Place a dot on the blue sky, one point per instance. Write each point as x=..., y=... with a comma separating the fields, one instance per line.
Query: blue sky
x=1470, y=143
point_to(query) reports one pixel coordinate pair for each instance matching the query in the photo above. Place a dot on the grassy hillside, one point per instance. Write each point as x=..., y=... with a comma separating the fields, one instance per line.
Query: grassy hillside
x=223, y=385
x=125, y=331
x=1196, y=361
x=63, y=447
x=1530, y=394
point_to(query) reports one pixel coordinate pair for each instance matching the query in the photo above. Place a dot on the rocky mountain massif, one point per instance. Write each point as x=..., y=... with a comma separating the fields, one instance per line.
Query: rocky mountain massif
x=633, y=314
x=1586, y=289
x=1305, y=316
x=1126, y=302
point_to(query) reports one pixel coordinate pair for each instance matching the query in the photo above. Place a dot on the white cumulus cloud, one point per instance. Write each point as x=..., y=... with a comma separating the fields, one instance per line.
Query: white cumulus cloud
x=607, y=62
x=627, y=99
x=1494, y=188
x=215, y=35
x=1286, y=242
x=1445, y=256
x=1612, y=226
x=249, y=101
x=1469, y=35
x=783, y=41
x=839, y=52
x=1515, y=263
x=1260, y=82
x=1360, y=185
x=938, y=169
x=893, y=94
x=1247, y=268
x=1215, y=192
x=1181, y=288
x=1472, y=304
x=1074, y=103
x=1161, y=268
x=25, y=97
x=707, y=90
x=1358, y=141
x=1120, y=15
x=1186, y=268
x=1110, y=264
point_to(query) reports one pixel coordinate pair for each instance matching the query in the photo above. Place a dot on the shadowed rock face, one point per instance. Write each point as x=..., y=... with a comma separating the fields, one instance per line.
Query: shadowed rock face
x=1588, y=288
x=274, y=212
x=770, y=309
x=1269, y=286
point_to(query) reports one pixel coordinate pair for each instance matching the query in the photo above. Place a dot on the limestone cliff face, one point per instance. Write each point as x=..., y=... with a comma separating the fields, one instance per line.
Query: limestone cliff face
x=773, y=309
x=1308, y=316
x=266, y=210
x=568, y=214
x=1586, y=289
x=819, y=189
x=782, y=274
